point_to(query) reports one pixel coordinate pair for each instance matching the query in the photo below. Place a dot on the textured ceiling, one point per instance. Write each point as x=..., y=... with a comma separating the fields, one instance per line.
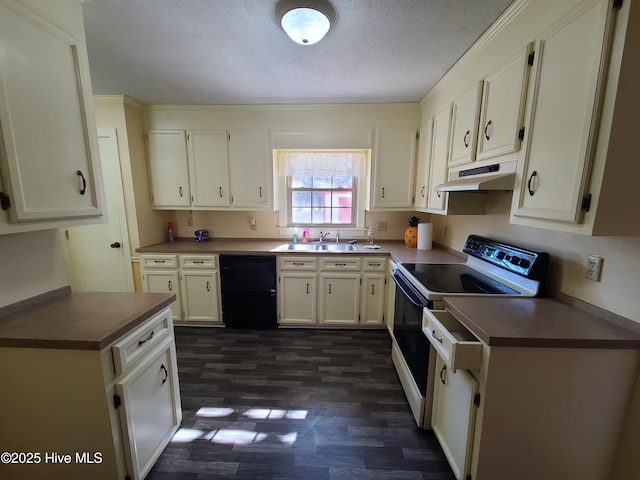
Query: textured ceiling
x=234, y=51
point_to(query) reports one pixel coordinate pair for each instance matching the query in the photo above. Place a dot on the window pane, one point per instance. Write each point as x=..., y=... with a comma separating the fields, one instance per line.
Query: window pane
x=322, y=182
x=321, y=215
x=301, y=215
x=301, y=181
x=341, y=199
x=343, y=181
x=321, y=199
x=341, y=215
x=300, y=199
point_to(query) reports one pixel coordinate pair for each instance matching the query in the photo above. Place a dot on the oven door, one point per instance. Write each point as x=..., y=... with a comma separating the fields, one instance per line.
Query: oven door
x=407, y=330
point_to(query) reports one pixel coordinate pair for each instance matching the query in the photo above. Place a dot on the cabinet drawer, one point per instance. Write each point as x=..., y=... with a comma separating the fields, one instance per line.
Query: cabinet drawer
x=375, y=264
x=298, y=263
x=458, y=347
x=136, y=344
x=159, y=261
x=198, y=261
x=341, y=263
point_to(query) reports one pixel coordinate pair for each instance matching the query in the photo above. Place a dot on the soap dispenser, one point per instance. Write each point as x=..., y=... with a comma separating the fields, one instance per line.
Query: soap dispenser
x=295, y=235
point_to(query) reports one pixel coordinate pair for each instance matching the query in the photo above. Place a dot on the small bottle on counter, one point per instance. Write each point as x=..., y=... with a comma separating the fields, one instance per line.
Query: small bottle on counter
x=295, y=235
x=170, y=231
x=370, y=236
x=305, y=236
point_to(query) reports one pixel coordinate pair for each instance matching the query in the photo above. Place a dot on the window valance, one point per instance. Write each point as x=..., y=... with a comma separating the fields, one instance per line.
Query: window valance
x=323, y=162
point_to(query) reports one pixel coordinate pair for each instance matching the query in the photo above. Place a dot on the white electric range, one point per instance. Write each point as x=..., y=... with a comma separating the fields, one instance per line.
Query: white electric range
x=492, y=268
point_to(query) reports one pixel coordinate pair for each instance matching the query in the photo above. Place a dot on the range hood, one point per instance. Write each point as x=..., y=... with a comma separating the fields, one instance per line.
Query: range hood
x=500, y=176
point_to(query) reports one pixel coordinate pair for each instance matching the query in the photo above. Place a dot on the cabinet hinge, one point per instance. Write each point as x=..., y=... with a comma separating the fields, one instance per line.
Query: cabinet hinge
x=521, y=134
x=468, y=477
x=586, y=203
x=532, y=55
x=5, y=201
x=229, y=136
x=360, y=281
x=188, y=137
x=476, y=399
x=617, y=4
x=117, y=401
x=417, y=135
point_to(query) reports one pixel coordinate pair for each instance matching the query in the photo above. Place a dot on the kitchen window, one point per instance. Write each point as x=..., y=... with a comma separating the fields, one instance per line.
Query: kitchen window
x=321, y=187
x=321, y=200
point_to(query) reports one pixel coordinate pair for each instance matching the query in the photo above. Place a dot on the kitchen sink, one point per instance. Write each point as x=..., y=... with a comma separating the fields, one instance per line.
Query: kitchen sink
x=316, y=247
x=338, y=247
x=300, y=247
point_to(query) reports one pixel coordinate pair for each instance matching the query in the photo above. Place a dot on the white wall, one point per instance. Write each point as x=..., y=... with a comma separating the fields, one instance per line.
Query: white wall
x=32, y=264
x=618, y=289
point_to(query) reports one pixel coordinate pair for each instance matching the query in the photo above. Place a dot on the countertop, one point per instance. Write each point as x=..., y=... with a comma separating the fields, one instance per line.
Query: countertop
x=538, y=322
x=394, y=248
x=79, y=320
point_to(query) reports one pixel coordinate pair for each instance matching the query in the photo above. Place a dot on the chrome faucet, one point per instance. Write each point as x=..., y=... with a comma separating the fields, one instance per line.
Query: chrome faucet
x=337, y=238
x=323, y=236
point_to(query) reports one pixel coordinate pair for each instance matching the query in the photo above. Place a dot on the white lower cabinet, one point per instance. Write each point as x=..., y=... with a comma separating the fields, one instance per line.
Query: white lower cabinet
x=453, y=416
x=111, y=411
x=339, y=299
x=299, y=305
x=194, y=279
x=335, y=291
x=524, y=411
x=150, y=407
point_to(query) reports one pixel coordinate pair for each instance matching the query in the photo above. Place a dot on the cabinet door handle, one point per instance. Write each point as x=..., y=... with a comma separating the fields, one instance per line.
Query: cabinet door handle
x=382, y=192
x=373, y=289
x=298, y=264
x=531, y=183
x=444, y=369
x=466, y=139
x=142, y=342
x=439, y=194
x=220, y=191
x=180, y=191
x=307, y=289
x=433, y=334
x=170, y=286
x=115, y=245
x=422, y=191
x=487, y=134
x=208, y=286
x=164, y=370
x=260, y=189
x=329, y=289
x=340, y=264
x=198, y=261
x=83, y=183
x=158, y=261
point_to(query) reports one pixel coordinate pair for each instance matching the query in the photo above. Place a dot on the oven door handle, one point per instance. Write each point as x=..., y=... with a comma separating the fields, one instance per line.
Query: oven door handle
x=412, y=296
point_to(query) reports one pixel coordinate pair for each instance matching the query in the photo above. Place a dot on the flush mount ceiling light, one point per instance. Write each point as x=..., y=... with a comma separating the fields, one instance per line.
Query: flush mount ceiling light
x=305, y=21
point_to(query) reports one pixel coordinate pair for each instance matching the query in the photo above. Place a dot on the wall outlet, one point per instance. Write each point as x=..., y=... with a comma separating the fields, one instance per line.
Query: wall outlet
x=594, y=267
x=189, y=220
x=253, y=224
x=382, y=226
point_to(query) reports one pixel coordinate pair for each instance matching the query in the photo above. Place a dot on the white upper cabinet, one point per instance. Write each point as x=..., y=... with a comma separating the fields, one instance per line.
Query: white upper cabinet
x=503, y=100
x=424, y=165
x=209, y=168
x=48, y=140
x=250, y=169
x=436, y=201
x=464, y=126
x=563, y=111
x=169, y=168
x=394, y=163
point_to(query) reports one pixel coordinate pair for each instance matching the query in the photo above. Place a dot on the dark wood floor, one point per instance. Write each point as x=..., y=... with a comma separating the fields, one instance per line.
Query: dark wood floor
x=294, y=404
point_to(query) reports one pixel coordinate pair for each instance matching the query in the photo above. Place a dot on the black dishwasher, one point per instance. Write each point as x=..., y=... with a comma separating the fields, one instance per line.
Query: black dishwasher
x=248, y=284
